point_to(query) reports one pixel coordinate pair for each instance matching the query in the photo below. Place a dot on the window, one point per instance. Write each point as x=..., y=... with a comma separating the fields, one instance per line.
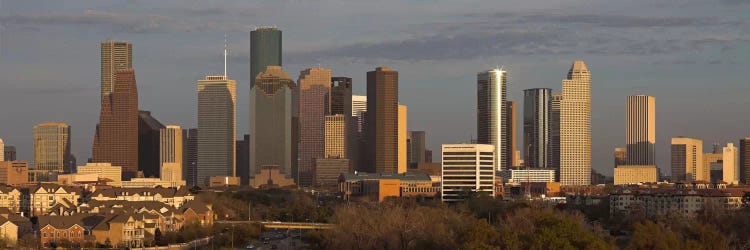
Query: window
x=45, y=235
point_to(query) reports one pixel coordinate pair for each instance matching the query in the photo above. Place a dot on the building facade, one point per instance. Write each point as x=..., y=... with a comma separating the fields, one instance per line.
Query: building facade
x=104, y=171
x=52, y=147
x=491, y=95
x=314, y=105
x=510, y=135
x=9, y=152
x=335, y=137
x=115, y=56
x=575, y=127
x=554, y=132
x=14, y=173
x=536, y=110
x=528, y=175
x=640, y=132
x=620, y=156
x=729, y=164
x=265, y=50
x=382, y=121
x=634, y=174
x=744, y=161
x=149, y=144
x=403, y=160
x=687, y=159
x=171, y=146
x=467, y=168
x=415, y=148
x=190, y=167
x=217, y=100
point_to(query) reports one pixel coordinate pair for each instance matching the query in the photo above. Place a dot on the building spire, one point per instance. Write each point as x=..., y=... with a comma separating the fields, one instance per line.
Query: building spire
x=225, y=56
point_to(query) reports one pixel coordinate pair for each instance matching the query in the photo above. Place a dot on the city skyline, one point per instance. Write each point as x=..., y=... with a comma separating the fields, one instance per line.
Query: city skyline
x=425, y=114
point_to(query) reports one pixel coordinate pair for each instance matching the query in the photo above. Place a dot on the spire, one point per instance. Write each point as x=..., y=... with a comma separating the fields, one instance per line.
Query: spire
x=225, y=56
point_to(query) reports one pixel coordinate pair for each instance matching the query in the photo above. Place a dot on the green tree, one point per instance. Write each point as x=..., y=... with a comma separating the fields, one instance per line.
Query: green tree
x=650, y=235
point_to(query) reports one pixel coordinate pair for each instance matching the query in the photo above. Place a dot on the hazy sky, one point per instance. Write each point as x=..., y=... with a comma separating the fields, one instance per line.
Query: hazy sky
x=692, y=55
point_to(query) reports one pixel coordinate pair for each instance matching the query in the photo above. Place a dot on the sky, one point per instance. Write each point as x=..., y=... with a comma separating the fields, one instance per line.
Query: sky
x=692, y=55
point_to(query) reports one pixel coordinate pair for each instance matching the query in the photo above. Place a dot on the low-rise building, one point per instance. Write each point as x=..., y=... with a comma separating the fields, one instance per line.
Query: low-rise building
x=528, y=175
x=378, y=186
x=270, y=176
x=174, y=197
x=11, y=198
x=8, y=231
x=14, y=173
x=46, y=197
x=122, y=231
x=113, y=174
x=633, y=174
x=657, y=202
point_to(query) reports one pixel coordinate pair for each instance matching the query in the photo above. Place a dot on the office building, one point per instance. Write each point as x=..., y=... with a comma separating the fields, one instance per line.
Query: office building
x=271, y=131
x=575, y=127
x=335, y=137
x=328, y=170
x=491, y=94
x=415, y=148
x=428, y=156
x=729, y=164
x=171, y=173
x=52, y=147
x=243, y=159
x=711, y=161
x=528, y=175
x=744, y=161
x=359, y=106
x=341, y=103
x=217, y=98
x=403, y=161
x=14, y=173
x=190, y=156
x=379, y=186
x=314, y=105
x=2, y=155
x=382, y=121
x=265, y=50
x=108, y=172
x=115, y=56
x=149, y=147
x=640, y=133
x=116, y=137
x=635, y=174
x=536, y=110
x=554, y=132
x=687, y=159
x=510, y=135
x=170, y=152
x=9, y=152
x=620, y=156
x=461, y=174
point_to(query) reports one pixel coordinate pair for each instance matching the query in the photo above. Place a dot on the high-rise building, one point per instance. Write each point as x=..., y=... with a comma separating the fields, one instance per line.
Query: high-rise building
x=554, y=133
x=116, y=138
x=271, y=111
x=149, y=144
x=217, y=98
x=359, y=106
x=459, y=174
x=341, y=103
x=314, y=104
x=335, y=137
x=2, y=144
x=171, y=149
x=510, y=135
x=491, y=92
x=190, y=167
x=620, y=156
x=243, y=159
x=52, y=147
x=744, y=161
x=687, y=158
x=9, y=152
x=382, y=120
x=640, y=133
x=265, y=50
x=714, y=159
x=403, y=160
x=359, y=138
x=536, y=110
x=428, y=156
x=575, y=127
x=115, y=56
x=415, y=148
x=730, y=164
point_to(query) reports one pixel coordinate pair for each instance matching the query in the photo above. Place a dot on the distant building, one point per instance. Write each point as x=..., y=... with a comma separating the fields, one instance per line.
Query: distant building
x=265, y=50
x=223, y=181
x=382, y=121
x=104, y=170
x=729, y=161
x=640, y=135
x=536, y=111
x=528, y=175
x=314, y=104
x=415, y=148
x=687, y=159
x=462, y=175
x=243, y=159
x=554, y=132
x=712, y=162
x=216, y=122
x=14, y=173
x=341, y=104
x=270, y=176
x=10, y=152
x=491, y=97
x=744, y=161
x=328, y=170
x=52, y=147
x=509, y=135
x=403, y=160
x=190, y=167
x=379, y=186
x=335, y=137
x=172, y=172
x=575, y=127
x=620, y=156
x=171, y=151
x=634, y=174
x=2, y=144
x=149, y=144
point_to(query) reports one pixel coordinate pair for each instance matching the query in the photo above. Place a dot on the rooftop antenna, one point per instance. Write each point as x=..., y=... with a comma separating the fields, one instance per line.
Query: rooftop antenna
x=225, y=55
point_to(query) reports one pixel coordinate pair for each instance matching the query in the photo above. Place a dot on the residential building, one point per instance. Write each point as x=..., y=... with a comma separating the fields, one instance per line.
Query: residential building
x=744, y=161
x=175, y=197
x=402, y=127
x=687, y=159
x=45, y=198
x=60, y=229
x=634, y=174
x=491, y=97
x=116, y=137
x=640, y=133
x=314, y=105
x=382, y=121
x=575, y=127
x=528, y=175
x=328, y=170
x=149, y=144
x=11, y=198
x=14, y=173
x=729, y=161
x=113, y=174
x=271, y=126
x=536, y=110
x=265, y=50
x=198, y=213
x=122, y=231
x=217, y=125
x=661, y=202
x=415, y=148
x=467, y=168
x=9, y=232
x=510, y=135
x=379, y=186
x=52, y=147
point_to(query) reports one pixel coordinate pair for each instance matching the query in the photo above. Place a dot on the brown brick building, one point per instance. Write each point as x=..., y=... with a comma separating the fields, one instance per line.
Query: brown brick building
x=116, y=138
x=382, y=121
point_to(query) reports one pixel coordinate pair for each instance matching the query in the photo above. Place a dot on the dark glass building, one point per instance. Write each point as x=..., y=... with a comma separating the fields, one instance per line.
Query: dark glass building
x=265, y=50
x=536, y=119
x=148, y=144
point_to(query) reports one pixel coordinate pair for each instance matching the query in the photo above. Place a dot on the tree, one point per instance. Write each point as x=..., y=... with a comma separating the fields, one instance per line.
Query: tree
x=746, y=200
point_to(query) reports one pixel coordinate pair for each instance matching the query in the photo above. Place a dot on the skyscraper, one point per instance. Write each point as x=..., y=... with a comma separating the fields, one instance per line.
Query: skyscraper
x=243, y=159
x=341, y=103
x=116, y=138
x=2, y=144
x=575, y=127
x=554, y=133
x=491, y=91
x=536, y=110
x=687, y=158
x=9, y=151
x=403, y=161
x=359, y=106
x=265, y=50
x=314, y=105
x=382, y=120
x=271, y=110
x=729, y=160
x=149, y=129
x=52, y=147
x=510, y=135
x=640, y=134
x=335, y=137
x=190, y=167
x=115, y=56
x=170, y=146
x=744, y=161
x=216, y=122
x=416, y=148
x=621, y=155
